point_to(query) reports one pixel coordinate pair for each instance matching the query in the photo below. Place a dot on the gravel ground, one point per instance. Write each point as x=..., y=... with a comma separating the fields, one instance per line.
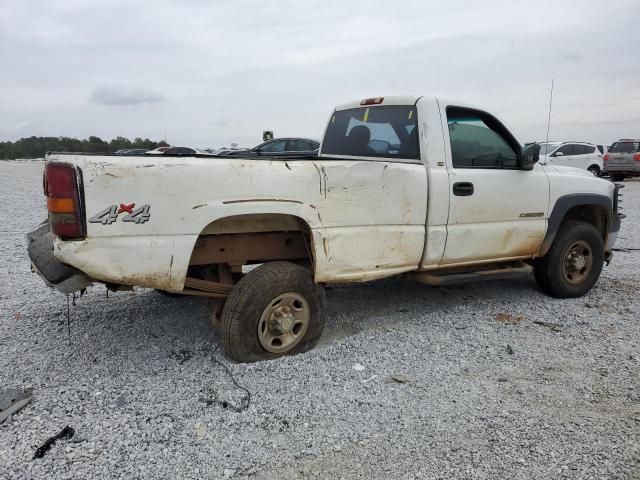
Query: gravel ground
x=480, y=389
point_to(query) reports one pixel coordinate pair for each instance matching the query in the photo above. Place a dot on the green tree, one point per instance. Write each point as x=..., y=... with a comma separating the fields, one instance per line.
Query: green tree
x=37, y=147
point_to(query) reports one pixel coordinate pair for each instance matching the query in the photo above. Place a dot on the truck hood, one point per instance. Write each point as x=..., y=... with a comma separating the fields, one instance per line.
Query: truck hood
x=571, y=170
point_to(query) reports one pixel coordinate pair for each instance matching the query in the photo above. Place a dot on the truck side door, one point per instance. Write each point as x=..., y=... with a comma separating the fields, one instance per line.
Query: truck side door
x=497, y=211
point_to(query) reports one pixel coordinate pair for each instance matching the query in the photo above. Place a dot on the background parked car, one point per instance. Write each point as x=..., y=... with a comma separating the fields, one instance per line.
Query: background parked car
x=573, y=154
x=283, y=147
x=226, y=150
x=184, y=151
x=623, y=159
x=158, y=151
x=135, y=151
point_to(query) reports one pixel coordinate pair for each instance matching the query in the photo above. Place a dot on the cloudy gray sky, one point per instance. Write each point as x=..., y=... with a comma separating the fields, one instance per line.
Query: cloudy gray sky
x=209, y=73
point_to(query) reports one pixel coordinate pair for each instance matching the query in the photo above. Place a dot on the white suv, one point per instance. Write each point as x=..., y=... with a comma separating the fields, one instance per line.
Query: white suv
x=573, y=154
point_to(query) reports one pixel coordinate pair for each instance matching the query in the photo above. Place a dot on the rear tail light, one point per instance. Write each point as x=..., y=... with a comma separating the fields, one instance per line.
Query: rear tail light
x=636, y=157
x=63, y=200
x=606, y=157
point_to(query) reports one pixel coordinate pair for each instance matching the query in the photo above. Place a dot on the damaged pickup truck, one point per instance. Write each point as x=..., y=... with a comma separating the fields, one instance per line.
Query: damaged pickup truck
x=429, y=187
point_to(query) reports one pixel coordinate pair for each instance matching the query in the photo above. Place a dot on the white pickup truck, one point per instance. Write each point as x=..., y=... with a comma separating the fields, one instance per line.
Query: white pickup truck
x=433, y=188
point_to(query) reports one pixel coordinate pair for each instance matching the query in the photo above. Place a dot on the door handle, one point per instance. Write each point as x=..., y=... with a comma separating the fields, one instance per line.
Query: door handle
x=463, y=189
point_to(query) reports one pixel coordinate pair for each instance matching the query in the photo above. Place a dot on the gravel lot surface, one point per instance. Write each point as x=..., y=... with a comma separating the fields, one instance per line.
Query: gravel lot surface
x=409, y=381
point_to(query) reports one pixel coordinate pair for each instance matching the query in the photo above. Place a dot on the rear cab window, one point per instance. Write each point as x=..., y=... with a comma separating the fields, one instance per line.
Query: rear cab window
x=374, y=131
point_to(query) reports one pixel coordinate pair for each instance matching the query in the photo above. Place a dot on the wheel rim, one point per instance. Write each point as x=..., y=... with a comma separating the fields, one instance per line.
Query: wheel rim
x=593, y=171
x=283, y=322
x=578, y=262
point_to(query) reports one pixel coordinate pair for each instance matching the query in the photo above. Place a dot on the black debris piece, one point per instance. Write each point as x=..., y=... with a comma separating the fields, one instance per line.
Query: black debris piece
x=44, y=448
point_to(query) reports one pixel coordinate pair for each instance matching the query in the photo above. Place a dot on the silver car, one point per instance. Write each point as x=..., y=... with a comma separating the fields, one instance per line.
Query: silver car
x=623, y=159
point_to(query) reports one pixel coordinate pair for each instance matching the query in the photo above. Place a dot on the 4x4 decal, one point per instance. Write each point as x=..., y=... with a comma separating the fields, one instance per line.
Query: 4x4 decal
x=110, y=214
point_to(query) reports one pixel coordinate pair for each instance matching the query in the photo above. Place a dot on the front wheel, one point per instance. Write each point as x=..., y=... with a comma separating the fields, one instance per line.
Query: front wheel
x=595, y=170
x=574, y=262
x=275, y=310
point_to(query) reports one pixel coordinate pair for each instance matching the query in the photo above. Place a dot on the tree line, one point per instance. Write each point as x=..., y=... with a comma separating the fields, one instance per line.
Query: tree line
x=36, y=147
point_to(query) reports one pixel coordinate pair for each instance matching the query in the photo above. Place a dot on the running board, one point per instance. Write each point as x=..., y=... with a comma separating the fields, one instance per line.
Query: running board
x=507, y=272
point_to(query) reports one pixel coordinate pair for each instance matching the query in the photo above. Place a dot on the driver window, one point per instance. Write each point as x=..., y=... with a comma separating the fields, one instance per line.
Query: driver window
x=478, y=142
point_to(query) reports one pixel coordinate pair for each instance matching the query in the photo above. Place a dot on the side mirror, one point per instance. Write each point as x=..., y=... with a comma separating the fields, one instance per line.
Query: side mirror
x=558, y=154
x=529, y=156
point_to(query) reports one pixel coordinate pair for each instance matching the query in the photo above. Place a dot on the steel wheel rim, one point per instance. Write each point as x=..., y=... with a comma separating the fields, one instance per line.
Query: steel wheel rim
x=284, y=322
x=578, y=262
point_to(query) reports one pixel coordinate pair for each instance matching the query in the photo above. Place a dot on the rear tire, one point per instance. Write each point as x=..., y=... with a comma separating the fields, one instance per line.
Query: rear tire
x=216, y=306
x=275, y=310
x=617, y=177
x=573, y=263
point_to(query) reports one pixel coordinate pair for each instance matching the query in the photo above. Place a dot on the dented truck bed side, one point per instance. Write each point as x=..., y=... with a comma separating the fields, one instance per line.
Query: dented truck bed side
x=367, y=219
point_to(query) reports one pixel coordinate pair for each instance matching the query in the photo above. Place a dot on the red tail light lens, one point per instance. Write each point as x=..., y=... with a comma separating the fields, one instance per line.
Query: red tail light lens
x=63, y=200
x=606, y=157
x=636, y=157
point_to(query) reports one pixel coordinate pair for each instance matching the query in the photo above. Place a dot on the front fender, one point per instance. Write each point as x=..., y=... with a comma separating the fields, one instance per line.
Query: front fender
x=567, y=202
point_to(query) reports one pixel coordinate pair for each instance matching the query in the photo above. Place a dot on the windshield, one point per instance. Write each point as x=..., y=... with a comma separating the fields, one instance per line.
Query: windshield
x=625, y=147
x=546, y=148
x=390, y=131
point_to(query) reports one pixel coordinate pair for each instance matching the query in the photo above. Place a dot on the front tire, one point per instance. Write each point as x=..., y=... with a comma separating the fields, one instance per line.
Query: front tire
x=574, y=262
x=595, y=170
x=275, y=310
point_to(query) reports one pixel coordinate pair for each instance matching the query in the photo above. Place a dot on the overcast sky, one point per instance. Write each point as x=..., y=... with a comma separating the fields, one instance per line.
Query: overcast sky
x=211, y=72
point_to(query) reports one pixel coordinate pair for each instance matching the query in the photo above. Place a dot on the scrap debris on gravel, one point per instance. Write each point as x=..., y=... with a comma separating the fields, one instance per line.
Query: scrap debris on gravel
x=488, y=380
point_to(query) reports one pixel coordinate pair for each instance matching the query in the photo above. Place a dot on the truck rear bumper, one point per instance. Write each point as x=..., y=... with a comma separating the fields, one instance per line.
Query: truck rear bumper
x=55, y=274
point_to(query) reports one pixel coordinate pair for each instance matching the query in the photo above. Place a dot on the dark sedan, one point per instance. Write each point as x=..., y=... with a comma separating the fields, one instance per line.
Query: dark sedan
x=279, y=147
x=184, y=151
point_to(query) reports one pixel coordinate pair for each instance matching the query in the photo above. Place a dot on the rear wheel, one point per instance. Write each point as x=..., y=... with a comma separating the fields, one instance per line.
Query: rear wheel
x=595, y=170
x=574, y=261
x=275, y=310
